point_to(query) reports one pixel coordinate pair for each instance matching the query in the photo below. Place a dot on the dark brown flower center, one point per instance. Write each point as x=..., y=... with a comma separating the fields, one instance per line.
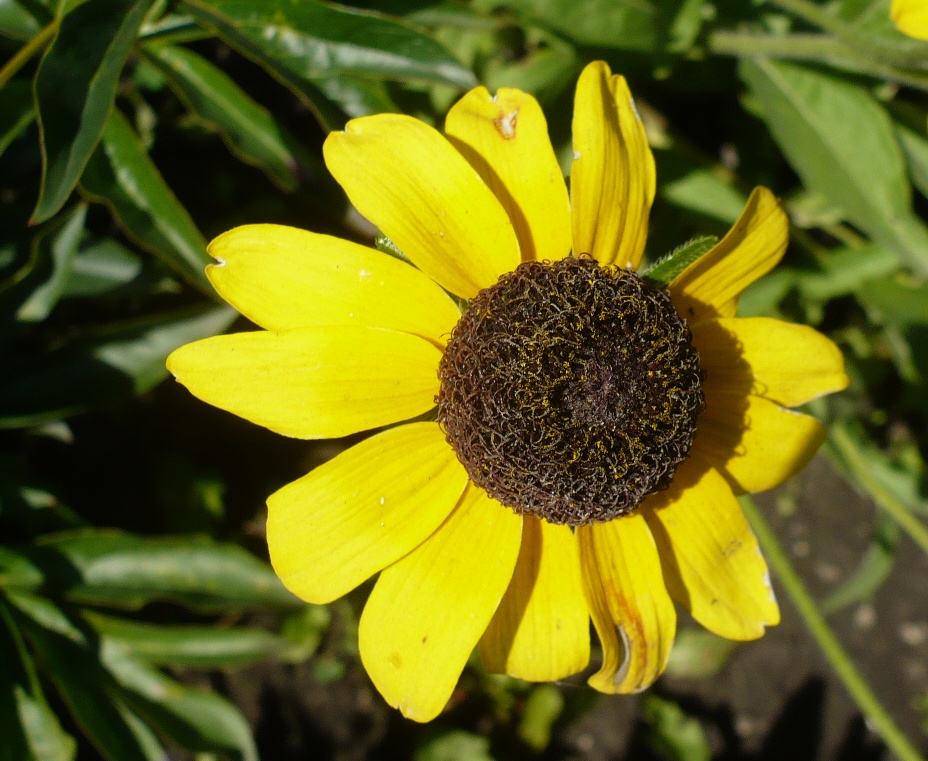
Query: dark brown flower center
x=570, y=391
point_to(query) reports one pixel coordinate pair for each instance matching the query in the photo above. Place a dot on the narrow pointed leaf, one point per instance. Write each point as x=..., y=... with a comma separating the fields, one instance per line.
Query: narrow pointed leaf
x=112, y=568
x=28, y=726
x=84, y=685
x=126, y=360
x=121, y=175
x=16, y=111
x=75, y=88
x=311, y=39
x=248, y=128
x=198, y=720
x=663, y=272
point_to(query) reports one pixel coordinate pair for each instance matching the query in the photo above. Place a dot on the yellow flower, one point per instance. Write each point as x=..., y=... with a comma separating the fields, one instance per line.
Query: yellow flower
x=911, y=17
x=354, y=339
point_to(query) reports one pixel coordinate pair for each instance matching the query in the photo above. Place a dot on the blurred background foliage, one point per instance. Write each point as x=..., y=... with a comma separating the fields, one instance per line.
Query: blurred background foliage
x=132, y=565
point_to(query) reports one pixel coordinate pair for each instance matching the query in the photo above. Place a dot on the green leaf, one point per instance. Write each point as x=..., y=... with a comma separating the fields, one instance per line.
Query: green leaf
x=248, y=128
x=664, y=271
x=310, y=40
x=196, y=646
x=53, y=249
x=699, y=654
x=28, y=726
x=71, y=662
x=843, y=146
x=16, y=22
x=673, y=734
x=845, y=270
x=455, y=745
x=623, y=24
x=103, y=567
x=915, y=147
x=543, y=706
x=121, y=175
x=703, y=191
x=198, y=720
x=16, y=111
x=101, y=267
x=75, y=88
x=124, y=360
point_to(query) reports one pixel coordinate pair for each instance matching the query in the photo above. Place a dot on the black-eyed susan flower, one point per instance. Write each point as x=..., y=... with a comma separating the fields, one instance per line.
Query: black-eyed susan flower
x=911, y=17
x=591, y=430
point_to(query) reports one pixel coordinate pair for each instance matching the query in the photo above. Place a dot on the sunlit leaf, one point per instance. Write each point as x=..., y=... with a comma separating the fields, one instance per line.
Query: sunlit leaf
x=83, y=684
x=53, y=249
x=311, y=39
x=248, y=128
x=122, y=361
x=874, y=568
x=103, y=567
x=75, y=88
x=101, y=267
x=673, y=734
x=28, y=726
x=843, y=146
x=199, y=646
x=625, y=24
x=121, y=175
x=198, y=720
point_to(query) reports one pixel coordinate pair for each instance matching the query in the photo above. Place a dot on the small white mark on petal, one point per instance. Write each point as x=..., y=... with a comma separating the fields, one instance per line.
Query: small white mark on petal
x=383, y=500
x=631, y=102
x=506, y=124
x=364, y=274
x=220, y=262
x=577, y=155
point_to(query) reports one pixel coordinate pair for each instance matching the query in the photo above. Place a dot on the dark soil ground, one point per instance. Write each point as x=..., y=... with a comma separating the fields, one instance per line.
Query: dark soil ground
x=774, y=699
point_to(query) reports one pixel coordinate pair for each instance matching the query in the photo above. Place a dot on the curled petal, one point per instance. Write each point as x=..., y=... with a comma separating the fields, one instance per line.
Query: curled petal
x=631, y=609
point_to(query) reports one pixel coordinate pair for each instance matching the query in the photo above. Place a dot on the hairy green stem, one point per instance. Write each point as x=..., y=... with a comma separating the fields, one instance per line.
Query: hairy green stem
x=856, y=685
x=816, y=15
x=26, y=52
x=812, y=47
x=854, y=457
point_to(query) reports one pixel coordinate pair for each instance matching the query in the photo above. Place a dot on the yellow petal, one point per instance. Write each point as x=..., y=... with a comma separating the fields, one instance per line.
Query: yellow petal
x=612, y=180
x=753, y=442
x=282, y=278
x=363, y=510
x=407, y=179
x=428, y=610
x=710, y=287
x=313, y=383
x=541, y=630
x=632, y=612
x=911, y=17
x=505, y=138
x=712, y=564
x=788, y=364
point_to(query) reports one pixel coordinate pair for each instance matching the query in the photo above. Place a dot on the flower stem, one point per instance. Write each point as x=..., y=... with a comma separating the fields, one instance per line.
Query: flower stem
x=812, y=47
x=816, y=15
x=855, y=459
x=26, y=52
x=847, y=672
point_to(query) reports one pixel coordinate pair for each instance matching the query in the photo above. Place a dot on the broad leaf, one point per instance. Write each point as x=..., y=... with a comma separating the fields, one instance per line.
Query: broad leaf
x=247, y=128
x=101, y=267
x=126, y=360
x=311, y=39
x=121, y=175
x=843, y=146
x=75, y=88
x=112, y=568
